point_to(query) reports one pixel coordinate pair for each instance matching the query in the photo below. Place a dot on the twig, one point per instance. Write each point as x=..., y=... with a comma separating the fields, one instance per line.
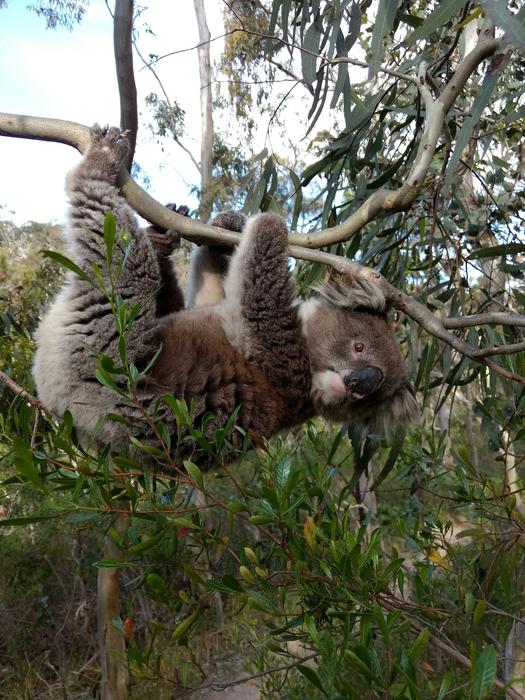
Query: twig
x=168, y=102
x=509, y=349
x=17, y=389
x=496, y=318
x=245, y=679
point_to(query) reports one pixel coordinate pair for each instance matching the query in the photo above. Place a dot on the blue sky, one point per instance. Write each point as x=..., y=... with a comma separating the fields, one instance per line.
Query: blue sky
x=71, y=75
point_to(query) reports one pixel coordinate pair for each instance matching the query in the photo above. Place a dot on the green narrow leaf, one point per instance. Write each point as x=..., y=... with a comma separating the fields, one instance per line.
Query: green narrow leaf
x=496, y=250
x=479, y=611
x=391, y=460
x=439, y=17
x=67, y=263
x=312, y=677
x=9, y=522
x=283, y=472
x=419, y=646
x=25, y=464
x=341, y=82
x=183, y=522
x=195, y=474
x=271, y=28
x=471, y=121
x=148, y=543
x=164, y=433
x=359, y=665
x=184, y=627
x=310, y=48
x=114, y=564
x=446, y=682
x=386, y=13
x=484, y=672
x=298, y=201
x=110, y=233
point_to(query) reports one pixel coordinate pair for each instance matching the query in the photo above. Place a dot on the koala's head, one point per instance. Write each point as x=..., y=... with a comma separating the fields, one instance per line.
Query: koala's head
x=358, y=370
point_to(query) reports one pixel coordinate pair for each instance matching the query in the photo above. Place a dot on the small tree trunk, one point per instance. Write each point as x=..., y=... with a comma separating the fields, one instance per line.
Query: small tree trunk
x=123, y=48
x=206, y=112
x=515, y=657
x=112, y=645
x=515, y=643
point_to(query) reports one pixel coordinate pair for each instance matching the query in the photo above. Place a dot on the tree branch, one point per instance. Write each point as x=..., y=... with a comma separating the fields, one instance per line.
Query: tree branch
x=491, y=318
x=17, y=389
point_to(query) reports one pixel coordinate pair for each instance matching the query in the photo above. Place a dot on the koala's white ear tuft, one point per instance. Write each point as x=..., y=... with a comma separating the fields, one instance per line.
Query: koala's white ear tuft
x=353, y=293
x=307, y=309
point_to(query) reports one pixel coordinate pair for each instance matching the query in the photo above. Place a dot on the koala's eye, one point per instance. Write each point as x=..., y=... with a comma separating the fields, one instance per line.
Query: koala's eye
x=359, y=347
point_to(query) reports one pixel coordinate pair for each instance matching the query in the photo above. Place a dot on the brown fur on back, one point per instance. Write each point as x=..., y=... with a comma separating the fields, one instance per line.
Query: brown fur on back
x=214, y=375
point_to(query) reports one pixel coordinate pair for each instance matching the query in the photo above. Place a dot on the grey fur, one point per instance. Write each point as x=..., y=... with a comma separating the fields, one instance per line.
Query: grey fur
x=258, y=349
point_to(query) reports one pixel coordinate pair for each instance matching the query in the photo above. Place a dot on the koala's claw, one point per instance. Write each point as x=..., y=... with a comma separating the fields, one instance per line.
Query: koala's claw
x=163, y=243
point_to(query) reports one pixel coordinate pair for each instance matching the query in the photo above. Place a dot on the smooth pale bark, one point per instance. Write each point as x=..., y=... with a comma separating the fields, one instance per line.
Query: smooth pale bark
x=206, y=111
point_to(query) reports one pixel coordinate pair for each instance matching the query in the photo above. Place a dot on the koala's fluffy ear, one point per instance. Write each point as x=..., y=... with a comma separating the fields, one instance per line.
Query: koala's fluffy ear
x=353, y=293
x=395, y=413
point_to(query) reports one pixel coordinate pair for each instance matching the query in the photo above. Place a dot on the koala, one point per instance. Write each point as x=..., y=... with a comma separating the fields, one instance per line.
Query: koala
x=279, y=360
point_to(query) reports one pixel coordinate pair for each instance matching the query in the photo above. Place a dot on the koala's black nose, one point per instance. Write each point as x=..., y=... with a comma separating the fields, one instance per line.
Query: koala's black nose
x=364, y=381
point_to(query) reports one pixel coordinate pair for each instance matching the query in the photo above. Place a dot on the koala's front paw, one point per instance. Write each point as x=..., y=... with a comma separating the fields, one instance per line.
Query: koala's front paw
x=163, y=243
x=108, y=149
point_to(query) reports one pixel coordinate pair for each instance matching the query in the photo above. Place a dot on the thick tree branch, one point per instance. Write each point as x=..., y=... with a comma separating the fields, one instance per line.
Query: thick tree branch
x=77, y=135
x=123, y=48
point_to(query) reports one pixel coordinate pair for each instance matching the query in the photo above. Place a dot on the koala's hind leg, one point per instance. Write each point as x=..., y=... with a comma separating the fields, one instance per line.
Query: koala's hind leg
x=260, y=302
x=209, y=265
x=93, y=192
x=170, y=297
